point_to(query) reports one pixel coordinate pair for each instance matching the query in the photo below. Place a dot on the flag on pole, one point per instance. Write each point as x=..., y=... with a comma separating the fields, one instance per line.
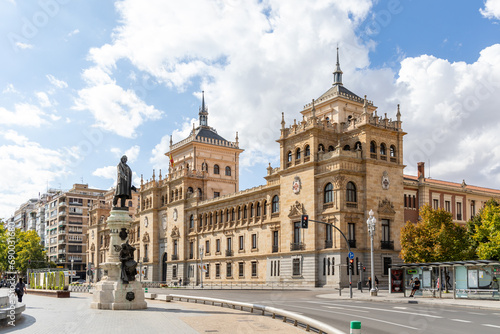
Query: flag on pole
x=171, y=160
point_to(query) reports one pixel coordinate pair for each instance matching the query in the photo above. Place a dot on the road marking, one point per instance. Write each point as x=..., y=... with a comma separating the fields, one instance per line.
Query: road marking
x=342, y=308
x=460, y=320
x=400, y=308
x=475, y=313
x=378, y=309
x=488, y=325
x=358, y=316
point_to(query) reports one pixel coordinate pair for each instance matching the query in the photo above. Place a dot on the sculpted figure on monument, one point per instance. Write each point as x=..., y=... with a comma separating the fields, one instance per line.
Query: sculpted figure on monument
x=128, y=263
x=124, y=185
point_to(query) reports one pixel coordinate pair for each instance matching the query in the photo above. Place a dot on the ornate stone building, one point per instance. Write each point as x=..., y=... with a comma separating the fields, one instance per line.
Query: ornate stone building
x=337, y=162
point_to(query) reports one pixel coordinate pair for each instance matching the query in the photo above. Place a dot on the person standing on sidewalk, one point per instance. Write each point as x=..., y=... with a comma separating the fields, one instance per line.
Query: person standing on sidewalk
x=20, y=290
x=376, y=283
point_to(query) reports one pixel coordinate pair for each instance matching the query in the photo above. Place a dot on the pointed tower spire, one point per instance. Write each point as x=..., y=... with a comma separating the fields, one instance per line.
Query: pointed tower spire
x=313, y=110
x=282, y=120
x=203, y=111
x=337, y=75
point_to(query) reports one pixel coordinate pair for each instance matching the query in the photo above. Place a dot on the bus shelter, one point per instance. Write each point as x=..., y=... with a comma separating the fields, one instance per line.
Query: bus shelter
x=474, y=279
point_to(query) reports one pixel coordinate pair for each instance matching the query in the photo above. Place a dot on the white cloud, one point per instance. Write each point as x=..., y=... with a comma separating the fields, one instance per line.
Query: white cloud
x=24, y=46
x=240, y=64
x=132, y=153
x=23, y=115
x=108, y=172
x=114, y=108
x=74, y=32
x=10, y=89
x=158, y=158
x=43, y=99
x=26, y=168
x=491, y=9
x=451, y=115
x=56, y=82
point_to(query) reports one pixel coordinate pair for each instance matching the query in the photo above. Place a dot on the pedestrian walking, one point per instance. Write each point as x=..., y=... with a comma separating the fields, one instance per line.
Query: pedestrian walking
x=20, y=290
x=376, y=282
x=416, y=286
x=180, y=281
x=494, y=286
x=369, y=283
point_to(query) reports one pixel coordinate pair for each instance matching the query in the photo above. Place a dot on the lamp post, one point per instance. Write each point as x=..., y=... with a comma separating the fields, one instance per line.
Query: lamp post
x=371, y=229
x=201, y=266
x=71, y=277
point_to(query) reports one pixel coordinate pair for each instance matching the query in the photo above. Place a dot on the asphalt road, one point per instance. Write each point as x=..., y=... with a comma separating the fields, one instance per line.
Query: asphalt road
x=375, y=317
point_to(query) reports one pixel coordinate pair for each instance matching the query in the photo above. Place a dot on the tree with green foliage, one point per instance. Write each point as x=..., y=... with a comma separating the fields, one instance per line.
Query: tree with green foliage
x=484, y=228
x=435, y=238
x=27, y=249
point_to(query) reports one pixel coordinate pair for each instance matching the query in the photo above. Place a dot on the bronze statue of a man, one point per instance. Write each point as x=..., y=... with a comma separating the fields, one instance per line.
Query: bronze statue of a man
x=124, y=185
x=129, y=265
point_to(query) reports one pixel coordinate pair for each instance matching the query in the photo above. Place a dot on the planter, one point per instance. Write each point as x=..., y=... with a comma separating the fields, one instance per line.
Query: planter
x=49, y=293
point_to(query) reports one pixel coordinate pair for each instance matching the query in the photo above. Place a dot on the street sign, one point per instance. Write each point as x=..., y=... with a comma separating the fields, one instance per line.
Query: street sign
x=350, y=255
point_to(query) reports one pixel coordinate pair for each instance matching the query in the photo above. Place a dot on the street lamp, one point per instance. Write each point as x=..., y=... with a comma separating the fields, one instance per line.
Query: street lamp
x=71, y=277
x=201, y=266
x=371, y=229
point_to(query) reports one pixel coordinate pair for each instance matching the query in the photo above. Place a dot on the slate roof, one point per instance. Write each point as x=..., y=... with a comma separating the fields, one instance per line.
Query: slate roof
x=208, y=133
x=338, y=89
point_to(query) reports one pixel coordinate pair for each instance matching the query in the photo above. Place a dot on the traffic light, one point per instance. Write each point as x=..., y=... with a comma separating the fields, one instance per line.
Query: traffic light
x=364, y=269
x=29, y=261
x=305, y=221
x=351, y=265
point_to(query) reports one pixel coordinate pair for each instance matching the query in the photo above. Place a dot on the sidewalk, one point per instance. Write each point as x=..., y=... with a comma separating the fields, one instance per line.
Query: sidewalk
x=385, y=296
x=73, y=315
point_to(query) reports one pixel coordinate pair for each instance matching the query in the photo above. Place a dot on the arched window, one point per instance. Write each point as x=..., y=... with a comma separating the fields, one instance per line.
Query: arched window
x=276, y=204
x=190, y=190
x=351, y=193
x=245, y=212
x=290, y=156
x=163, y=200
x=251, y=210
x=265, y=208
x=382, y=149
x=187, y=166
x=200, y=193
x=227, y=215
x=393, y=151
x=232, y=214
x=321, y=148
x=357, y=146
x=329, y=193
x=228, y=171
x=258, y=209
x=347, y=148
x=204, y=166
x=331, y=148
x=239, y=212
x=216, y=169
x=200, y=221
x=297, y=154
x=373, y=147
x=221, y=216
x=191, y=221
x=308, y=151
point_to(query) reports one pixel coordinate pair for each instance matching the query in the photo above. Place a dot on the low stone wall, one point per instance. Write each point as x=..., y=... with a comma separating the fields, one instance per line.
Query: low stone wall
x=6, y=309
x=50, y=293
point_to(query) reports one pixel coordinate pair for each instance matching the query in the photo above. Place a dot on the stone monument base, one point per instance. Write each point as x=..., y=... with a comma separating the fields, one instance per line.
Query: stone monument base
x=112, y=295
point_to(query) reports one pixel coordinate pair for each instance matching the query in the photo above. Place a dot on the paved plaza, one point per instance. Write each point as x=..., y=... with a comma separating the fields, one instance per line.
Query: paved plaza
x=73, y=315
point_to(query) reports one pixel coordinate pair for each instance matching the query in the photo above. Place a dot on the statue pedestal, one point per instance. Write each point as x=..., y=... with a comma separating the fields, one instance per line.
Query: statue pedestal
x=111, y=293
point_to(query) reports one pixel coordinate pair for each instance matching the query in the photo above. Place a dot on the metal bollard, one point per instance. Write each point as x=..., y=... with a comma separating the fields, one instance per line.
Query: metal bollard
x=355, y=327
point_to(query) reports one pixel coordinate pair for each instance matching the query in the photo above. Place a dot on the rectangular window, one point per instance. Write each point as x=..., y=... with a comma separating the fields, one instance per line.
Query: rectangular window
x=207, y=273
x=229, y=244
x=333, y=265
x=241, y=267
x=217, y=270
x=447, y=206
x=207, y=246
x=435, y=204
x=459, y=211
x=387, y=265
x=414, y=202
x=324, y=266
x=386, y=233
x=406, y=204
x=216, y=194
x=174, y=271
x=275, y=238
x=296, y=267
x=351, y=231
x=254, y=241
x=191, y=249
x=254, y=268
x=296, y=232
x=217, y=245
x=329, y=232
x=229, y=270
x=241, y=242
x=472, y=209
x=175, y=247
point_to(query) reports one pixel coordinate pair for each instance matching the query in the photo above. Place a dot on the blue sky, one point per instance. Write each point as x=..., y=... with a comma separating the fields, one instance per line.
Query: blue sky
x=83, y=82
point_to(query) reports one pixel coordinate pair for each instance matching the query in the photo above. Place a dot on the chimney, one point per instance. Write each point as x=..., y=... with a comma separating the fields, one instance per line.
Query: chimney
x=421, y=169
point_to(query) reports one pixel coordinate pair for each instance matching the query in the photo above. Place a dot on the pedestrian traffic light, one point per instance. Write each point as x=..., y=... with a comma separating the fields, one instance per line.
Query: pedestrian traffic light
x=305, y=221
